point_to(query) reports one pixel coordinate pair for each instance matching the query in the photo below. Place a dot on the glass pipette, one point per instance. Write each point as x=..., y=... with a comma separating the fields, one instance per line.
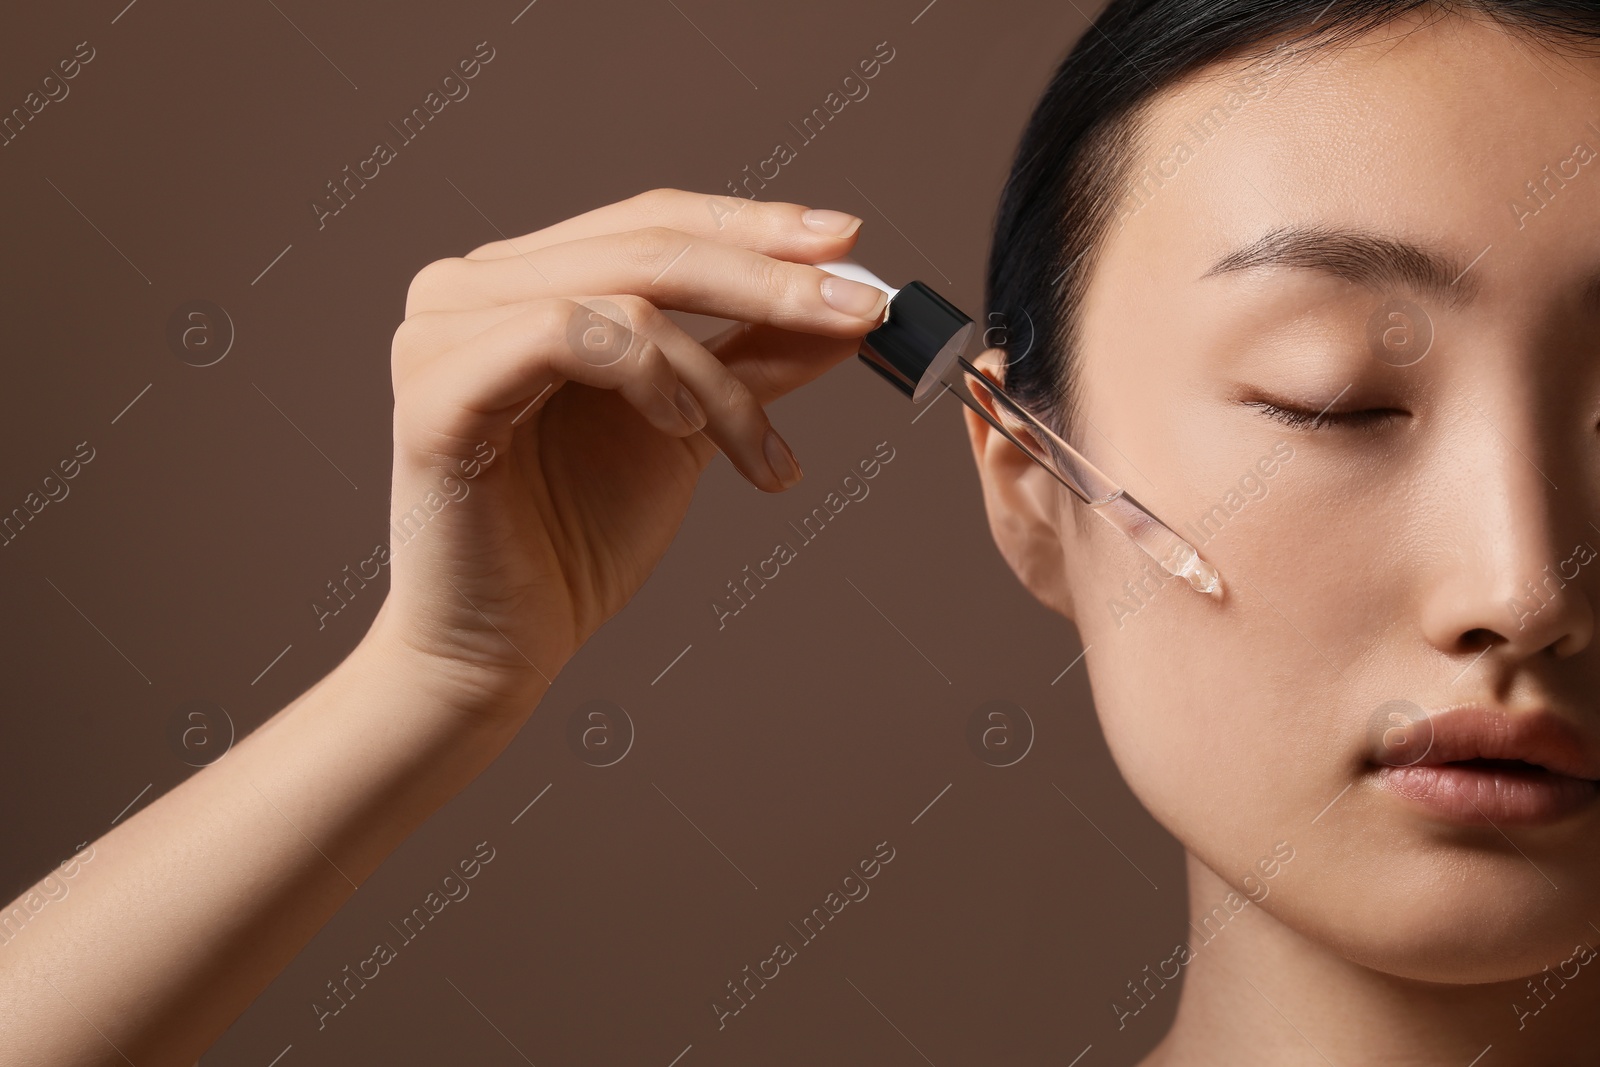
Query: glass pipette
x=924, y=348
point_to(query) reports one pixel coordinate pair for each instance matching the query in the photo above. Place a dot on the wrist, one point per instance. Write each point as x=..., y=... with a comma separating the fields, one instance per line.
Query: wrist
x=362, y=758
x=489, y=697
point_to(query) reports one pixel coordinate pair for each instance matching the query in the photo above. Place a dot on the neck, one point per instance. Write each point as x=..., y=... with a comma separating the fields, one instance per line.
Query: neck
x=1255, y=991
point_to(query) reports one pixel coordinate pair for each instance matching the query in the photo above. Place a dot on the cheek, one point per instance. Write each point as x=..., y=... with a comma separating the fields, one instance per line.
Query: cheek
x=1225, y=720
x=1241, y=724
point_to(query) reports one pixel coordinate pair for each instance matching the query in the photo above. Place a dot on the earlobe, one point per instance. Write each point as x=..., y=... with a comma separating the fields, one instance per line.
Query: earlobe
x=1029, y=517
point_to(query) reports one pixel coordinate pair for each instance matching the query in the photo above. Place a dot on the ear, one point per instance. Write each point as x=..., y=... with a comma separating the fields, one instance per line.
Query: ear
x=1030, y=512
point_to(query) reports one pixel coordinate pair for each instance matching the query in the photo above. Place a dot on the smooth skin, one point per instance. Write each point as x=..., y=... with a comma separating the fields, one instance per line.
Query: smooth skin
x=1380, y=558
x=593, y=467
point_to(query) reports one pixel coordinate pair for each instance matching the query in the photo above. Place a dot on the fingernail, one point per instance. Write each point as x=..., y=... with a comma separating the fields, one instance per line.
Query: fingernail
x=689, y=407
x=854, y=298
x=784, y=466
x=832, y=223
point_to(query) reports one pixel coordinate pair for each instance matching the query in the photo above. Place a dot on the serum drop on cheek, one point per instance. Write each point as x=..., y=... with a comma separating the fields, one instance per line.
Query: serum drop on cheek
x=925, y=347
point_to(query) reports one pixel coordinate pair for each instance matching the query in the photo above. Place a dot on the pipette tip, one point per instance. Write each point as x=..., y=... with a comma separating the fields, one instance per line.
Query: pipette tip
x=1201, y=576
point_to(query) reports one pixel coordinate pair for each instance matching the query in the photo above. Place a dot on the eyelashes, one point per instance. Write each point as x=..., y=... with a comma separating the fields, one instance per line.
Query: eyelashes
x=1302, y=418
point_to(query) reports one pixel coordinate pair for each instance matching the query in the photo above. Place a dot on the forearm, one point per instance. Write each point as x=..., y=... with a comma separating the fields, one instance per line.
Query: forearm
x=182, y=914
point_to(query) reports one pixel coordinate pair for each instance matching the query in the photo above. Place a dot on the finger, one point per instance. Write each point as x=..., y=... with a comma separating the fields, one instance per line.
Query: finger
x=424, y=335
x=619, y=342
x=774, y=228
x=520, y=361
x=769, y=361
x=670, y=269
x=773, y=362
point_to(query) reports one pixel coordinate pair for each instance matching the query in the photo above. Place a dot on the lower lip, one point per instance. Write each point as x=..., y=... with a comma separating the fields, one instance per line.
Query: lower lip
x=1484, y=793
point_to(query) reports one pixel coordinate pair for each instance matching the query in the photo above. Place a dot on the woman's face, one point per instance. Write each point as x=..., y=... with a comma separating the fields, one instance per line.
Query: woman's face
x=1421, y=551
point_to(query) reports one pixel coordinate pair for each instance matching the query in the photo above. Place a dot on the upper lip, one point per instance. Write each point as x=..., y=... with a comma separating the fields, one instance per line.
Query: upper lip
x=1540, y=737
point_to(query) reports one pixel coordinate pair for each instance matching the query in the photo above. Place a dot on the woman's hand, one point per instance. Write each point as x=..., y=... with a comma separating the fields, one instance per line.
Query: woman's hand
x=541, y=467
x=551, y=422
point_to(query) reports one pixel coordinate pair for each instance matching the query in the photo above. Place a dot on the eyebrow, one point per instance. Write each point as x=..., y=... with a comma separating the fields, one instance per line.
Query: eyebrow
x=1374, y=260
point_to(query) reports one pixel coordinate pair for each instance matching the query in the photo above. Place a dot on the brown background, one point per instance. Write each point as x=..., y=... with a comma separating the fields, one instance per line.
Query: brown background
x=188, y=552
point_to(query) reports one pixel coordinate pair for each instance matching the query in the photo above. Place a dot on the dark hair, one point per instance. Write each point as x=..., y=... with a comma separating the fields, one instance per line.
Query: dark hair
x=1070, y=167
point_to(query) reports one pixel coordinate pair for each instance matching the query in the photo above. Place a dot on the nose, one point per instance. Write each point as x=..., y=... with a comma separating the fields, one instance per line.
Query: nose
x=1522, y=561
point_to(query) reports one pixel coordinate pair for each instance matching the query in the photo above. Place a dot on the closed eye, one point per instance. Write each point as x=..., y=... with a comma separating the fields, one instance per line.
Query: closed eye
x=1363, y=418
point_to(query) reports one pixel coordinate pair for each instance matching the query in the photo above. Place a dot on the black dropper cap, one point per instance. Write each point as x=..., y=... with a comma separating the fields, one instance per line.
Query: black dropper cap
x=921, y=335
